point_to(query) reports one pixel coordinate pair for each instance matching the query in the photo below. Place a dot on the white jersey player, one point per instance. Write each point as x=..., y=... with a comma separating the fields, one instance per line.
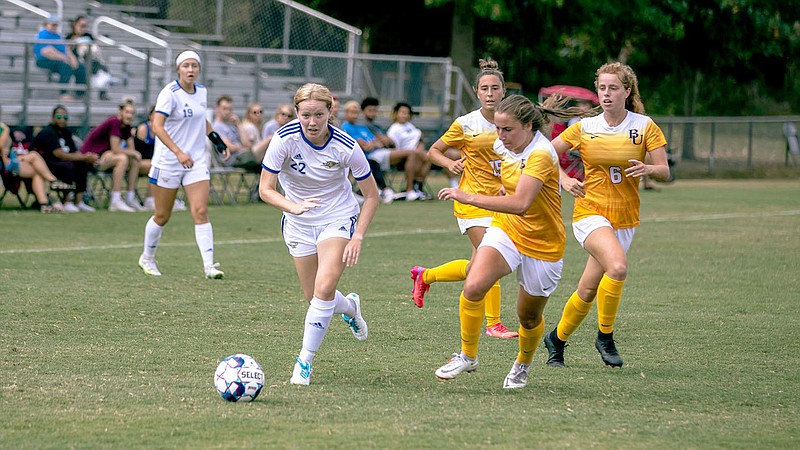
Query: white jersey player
x=321, y=224
x=180, y=158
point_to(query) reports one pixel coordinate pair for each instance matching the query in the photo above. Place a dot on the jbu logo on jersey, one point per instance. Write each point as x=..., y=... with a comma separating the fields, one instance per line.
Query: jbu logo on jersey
x=330, y=164
x=636, y=138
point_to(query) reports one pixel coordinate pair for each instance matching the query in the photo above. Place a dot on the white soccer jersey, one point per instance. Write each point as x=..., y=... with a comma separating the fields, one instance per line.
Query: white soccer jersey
x=405, y=136
x=307, y=171
x=185, y=124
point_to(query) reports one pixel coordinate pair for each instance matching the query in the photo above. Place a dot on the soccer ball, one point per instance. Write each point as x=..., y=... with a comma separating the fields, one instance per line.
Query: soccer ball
x=238, y=378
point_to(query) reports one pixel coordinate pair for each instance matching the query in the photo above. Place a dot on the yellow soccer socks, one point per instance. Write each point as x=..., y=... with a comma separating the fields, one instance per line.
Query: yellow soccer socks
x=608, y=296
x=574, y=312
x=455, y=270
x=528, y=342
x=492, y=306
x=471, y=314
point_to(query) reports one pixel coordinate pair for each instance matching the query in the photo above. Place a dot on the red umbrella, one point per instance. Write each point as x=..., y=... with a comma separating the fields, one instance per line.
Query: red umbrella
x=574, y=92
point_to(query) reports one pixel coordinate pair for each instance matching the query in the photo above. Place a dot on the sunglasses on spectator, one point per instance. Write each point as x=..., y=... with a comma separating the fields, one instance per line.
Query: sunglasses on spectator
x=62, y=116
x=257, y=112
x=285, y=114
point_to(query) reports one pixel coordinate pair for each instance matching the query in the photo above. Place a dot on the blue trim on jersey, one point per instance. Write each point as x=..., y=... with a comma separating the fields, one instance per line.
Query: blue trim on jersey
x=162, y=112
x=364, y=177
x=328, y=141
x=343, y=137
x=270, y=170
x=283, y=222
x=289, y=128
x=178, y=84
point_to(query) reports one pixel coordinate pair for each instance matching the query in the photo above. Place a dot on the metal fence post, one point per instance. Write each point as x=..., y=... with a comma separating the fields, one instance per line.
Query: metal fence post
x=711, y=151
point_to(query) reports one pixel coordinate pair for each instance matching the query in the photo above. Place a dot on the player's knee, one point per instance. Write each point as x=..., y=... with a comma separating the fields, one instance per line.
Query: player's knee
x=618, y=270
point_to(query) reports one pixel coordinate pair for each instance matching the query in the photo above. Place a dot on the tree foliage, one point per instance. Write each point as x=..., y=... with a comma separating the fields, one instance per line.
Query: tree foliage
x=693, y=57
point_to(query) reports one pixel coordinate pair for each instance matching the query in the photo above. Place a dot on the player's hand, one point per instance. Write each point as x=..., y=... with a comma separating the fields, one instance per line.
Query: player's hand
x=351, y=252
x=306, y=205
x=185, y=160
x=451, y=194
x=637, y=169
x=457, y=167
x=574, y=187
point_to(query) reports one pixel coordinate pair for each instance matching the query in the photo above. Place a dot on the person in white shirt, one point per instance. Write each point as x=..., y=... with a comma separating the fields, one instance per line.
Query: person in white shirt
x=180, y=158
x=406, y=136
x=322, y=226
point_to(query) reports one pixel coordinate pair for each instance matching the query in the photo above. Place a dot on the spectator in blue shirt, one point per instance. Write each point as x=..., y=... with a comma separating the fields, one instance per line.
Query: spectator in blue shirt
x=55, y=57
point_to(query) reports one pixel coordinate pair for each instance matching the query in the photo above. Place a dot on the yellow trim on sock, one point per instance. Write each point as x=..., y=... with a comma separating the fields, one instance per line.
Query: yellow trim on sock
x=455, y=270
x=529, y=342
x=574, y=312
x=471, y=314
x=492, y=307
x=609, y=292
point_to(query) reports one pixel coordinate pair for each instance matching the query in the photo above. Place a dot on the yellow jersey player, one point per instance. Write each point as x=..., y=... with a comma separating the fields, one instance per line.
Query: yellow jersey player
x=526, y=234
x=612, y=146
x=478, y=166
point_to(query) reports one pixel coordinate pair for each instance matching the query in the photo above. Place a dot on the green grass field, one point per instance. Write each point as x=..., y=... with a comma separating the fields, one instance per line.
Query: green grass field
x=93, y=354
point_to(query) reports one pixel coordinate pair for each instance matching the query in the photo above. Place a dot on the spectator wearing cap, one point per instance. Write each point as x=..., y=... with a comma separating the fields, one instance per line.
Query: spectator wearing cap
x=54, y=57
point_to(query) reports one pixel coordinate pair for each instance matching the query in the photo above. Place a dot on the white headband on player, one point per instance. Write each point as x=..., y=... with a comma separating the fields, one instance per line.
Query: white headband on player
x=188, y=54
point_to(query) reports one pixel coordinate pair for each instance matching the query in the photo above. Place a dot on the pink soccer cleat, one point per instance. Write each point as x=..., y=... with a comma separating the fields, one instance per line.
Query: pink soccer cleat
x=420, y=286
x=499, y=330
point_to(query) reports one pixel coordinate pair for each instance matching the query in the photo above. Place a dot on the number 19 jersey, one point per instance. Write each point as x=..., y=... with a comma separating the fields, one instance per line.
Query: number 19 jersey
x=185, y=125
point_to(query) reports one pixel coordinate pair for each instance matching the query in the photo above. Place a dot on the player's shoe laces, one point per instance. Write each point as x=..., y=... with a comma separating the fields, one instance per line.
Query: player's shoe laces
x=608, y=351
x=149, y=266
x=517, y=377
x=357, y=323
x=302, y=373
x=212, y=273
x=499, y=330
x=420, y=286
x=555, y=349
x=459, y=363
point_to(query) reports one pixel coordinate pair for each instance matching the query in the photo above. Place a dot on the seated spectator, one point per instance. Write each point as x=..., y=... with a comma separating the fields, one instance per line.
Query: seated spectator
x=250, y=131
x=369, y=108
x=406, y=136
x=112, y=142
x=226, y=124
x=55, y=143
x=17, y=161
x=414, y=163
x=283, y=114
x=84, y=48
x=55, y=57
x=145, y=142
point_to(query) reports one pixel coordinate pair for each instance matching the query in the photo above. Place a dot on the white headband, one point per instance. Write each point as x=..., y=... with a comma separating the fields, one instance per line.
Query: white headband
x=188, y=54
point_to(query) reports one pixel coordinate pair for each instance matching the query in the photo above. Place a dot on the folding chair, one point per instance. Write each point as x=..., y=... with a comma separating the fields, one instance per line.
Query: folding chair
x=222, y=173
x=12, y=184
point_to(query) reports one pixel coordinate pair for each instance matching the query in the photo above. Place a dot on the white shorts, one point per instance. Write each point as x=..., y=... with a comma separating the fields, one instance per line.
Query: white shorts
x=582, y=228
x=466, y=224
x=172, y=179
x=302, y=240
x=381, y=156
x=538, y=278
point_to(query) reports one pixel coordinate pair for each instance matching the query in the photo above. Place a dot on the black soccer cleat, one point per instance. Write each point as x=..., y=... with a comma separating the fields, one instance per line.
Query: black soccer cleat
x=555, y=349
x=608, y=351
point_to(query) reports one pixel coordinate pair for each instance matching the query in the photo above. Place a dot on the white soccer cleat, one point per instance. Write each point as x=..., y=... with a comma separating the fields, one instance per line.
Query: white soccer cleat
x=149, y=266
x=517, y=377
x=212, y=273
x=459, y=363
x=120, y=205
x=357, y=323
x=302, y=373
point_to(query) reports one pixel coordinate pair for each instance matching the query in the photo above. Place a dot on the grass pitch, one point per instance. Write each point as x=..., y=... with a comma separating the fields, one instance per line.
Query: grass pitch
x=95, y=354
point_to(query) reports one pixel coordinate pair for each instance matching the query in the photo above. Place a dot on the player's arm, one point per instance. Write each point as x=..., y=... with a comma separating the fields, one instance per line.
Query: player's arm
x=527, y=189
x=569, y=184
x=437, y=155
x=268, y=191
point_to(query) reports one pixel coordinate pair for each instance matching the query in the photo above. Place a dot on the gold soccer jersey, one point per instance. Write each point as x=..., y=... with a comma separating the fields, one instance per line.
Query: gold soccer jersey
x=605, y=152
x=475, y=136
x=539, y=233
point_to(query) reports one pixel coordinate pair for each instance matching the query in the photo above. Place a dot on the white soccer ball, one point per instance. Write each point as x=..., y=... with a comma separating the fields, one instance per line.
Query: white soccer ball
x=239, y=378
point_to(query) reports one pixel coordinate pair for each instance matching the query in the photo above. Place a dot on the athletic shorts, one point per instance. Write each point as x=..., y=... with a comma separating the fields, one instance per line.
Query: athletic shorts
x=466, y=224
x=584, y=227
x=381, y=156
x=537, y=277
x=172, y=179
x=302, y=240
